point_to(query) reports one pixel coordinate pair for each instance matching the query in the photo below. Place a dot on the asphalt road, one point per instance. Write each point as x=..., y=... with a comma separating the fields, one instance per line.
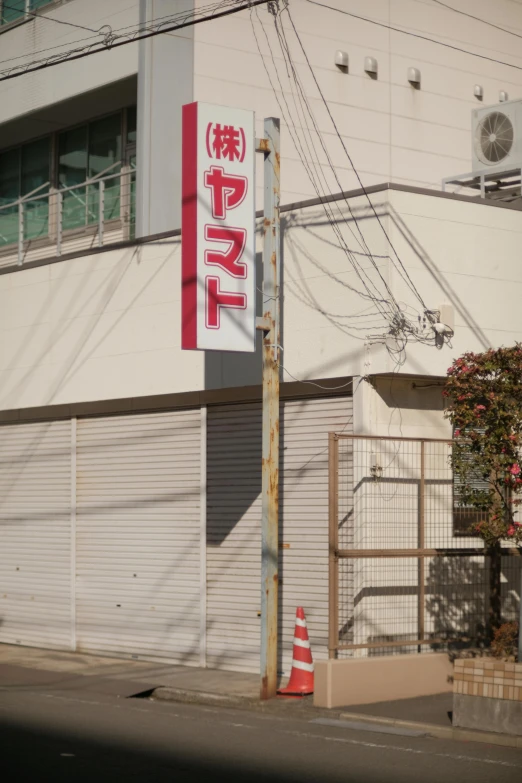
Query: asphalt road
x=52, y=736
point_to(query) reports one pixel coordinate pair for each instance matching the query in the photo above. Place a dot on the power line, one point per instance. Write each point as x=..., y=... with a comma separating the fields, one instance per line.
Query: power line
x=415, y=35
x=49, y=18
x=477, y=18
x=111, y=42
x=117, y=33
x=405, y=276
x=395, y=319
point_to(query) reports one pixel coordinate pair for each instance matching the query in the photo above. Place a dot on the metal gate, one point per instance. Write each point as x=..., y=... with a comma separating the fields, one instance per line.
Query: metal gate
x=405, y=574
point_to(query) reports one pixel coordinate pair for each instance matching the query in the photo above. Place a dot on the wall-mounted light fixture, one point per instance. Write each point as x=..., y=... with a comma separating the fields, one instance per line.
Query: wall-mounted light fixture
x=414, y=77
x=371, y=67
x=503, y=96
x=341, y=60
x=478, y=92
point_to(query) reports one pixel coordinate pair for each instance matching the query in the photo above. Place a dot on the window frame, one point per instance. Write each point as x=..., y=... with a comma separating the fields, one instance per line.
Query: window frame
x=27, y=14
x=53, y=137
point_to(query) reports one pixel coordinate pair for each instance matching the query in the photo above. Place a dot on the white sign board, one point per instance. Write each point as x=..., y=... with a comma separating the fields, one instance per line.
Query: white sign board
x=218, y=229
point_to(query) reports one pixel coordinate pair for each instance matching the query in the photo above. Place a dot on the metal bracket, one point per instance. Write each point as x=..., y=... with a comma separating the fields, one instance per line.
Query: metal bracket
x=262, y=145
x=263, y=324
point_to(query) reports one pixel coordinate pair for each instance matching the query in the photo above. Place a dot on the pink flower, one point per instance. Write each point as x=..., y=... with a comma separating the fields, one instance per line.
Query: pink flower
x=457, y=433
x=480, y=407
x=514, y=469
x=511, y=531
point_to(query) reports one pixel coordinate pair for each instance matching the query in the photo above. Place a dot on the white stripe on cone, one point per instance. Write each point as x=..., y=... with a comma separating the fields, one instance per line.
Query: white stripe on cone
x=306, y=667
x=300, y=623
x=302, y=642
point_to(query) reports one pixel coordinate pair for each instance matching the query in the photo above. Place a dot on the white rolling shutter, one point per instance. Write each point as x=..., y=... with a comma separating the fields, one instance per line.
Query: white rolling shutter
x=138, y=535
x=35, y=535
x=234, y=526
x=304, y=516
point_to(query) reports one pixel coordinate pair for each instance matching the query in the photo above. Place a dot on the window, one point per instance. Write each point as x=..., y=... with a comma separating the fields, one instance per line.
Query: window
x=85, y=154
x=22, y=171
x=92, y=151
x=14, y=10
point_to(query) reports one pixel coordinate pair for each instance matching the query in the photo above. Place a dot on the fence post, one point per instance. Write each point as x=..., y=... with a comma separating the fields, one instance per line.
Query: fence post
x=20, y=232
x=101, y=212
x=333, y=544
x=421, y=543
x=59, y=222
x=520, y=621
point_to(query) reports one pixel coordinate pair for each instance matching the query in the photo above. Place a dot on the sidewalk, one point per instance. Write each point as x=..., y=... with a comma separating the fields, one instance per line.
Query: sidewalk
x=28, y=667
x=32, y=669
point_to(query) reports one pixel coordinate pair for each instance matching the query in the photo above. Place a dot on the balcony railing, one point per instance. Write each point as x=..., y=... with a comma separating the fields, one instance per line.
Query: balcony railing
x=94, y=213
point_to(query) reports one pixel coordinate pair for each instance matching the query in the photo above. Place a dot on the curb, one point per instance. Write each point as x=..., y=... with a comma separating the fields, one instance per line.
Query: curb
x=440, y=732
x=183, y=696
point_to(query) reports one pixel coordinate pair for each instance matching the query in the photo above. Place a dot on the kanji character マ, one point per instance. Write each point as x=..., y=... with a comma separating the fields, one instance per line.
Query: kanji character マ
x=228, y=259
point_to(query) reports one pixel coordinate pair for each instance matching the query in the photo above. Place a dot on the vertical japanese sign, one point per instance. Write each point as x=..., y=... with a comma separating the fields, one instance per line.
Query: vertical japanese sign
x=218, y=229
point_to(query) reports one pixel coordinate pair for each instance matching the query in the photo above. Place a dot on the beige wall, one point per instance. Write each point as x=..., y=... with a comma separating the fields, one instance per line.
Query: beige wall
x=392, y=131
x=108, y=325
x=26, y=42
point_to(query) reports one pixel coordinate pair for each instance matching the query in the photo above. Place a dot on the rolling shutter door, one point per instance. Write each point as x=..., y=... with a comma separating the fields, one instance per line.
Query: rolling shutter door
x=304, y=516
x=234, y=526
x=35, y=525
x=138, y=535
x=233, y=536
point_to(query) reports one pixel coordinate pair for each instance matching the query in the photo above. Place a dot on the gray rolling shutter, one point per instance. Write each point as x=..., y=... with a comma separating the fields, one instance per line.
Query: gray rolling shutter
x=234, y=520
x=138, y=535
x=35, y=529
x=233, y=536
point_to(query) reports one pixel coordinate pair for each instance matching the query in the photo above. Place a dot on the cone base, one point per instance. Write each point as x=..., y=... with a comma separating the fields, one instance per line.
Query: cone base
x=289, y=691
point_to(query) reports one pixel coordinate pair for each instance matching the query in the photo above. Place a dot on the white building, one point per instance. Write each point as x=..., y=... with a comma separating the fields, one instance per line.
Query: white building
x=130, y=491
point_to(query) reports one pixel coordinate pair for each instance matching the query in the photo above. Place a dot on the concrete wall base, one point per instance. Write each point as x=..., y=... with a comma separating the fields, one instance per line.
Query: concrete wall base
x=339, y=683
x=486, y=714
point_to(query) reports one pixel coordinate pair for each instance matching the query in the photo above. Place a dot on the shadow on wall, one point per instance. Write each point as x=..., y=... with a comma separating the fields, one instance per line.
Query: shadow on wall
x=224, y=369
x=457, y=598
x=310, y=224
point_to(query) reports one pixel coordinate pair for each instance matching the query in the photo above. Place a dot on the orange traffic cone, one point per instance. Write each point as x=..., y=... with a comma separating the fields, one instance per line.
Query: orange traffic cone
x=301, y=681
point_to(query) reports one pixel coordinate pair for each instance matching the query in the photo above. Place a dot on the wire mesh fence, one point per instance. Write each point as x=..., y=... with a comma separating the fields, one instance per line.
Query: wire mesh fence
x=406, y=575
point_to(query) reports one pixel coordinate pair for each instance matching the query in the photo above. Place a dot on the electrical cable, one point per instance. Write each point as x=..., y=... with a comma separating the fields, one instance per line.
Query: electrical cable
x=415, y=35
x=399, y=320
x=339, y=136
x=116, y=32
x=49, y=18
x=477, y=18
x=111, y=40
x=310, y=158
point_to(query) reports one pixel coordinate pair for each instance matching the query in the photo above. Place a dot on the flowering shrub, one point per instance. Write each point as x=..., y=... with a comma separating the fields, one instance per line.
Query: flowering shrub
x=484, y=404
x=505, y=641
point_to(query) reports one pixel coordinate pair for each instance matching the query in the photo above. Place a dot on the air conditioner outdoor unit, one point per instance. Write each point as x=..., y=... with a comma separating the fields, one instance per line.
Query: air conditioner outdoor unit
x=497, y=137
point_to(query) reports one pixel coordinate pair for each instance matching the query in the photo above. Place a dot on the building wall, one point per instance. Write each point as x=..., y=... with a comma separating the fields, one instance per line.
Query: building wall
x=107, y=325
x=392, y=130
x=27, y=94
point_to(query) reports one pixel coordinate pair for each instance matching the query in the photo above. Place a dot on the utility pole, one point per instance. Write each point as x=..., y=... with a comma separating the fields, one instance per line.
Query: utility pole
x=269, y=325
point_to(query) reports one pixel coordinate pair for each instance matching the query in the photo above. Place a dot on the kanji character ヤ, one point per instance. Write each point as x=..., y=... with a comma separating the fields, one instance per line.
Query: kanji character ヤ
x=228, y=190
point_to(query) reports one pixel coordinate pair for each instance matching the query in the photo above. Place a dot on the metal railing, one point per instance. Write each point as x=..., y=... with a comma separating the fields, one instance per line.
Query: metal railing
x=101, y=210
x=403, y=577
